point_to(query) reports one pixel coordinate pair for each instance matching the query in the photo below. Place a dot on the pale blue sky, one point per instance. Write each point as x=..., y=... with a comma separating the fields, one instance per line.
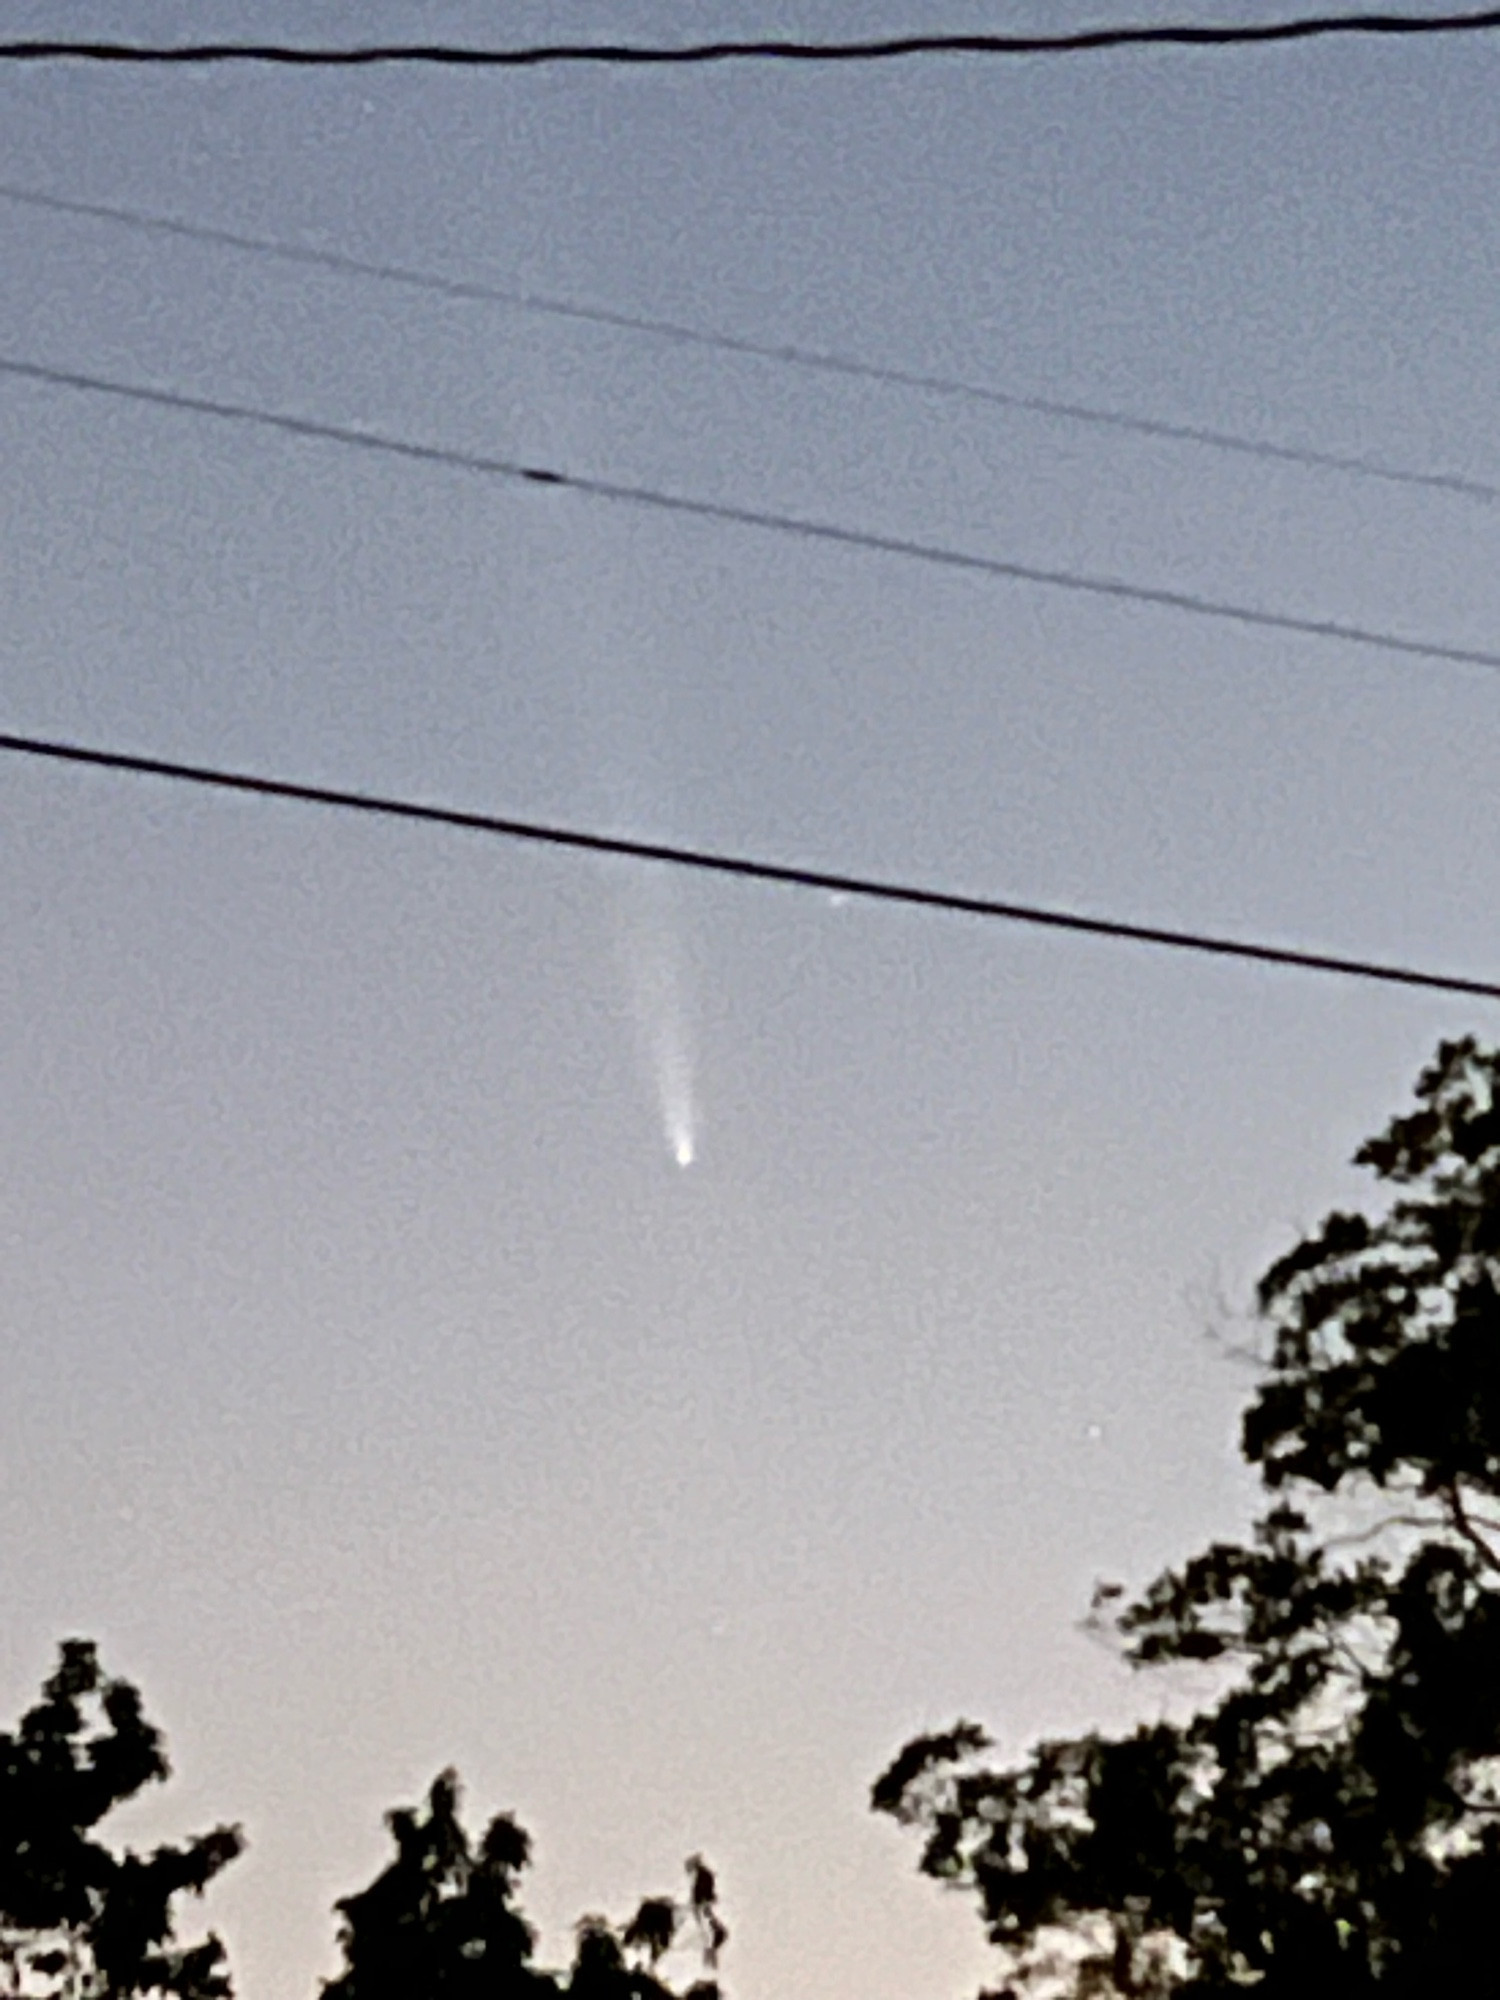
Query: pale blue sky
x=377, y=1389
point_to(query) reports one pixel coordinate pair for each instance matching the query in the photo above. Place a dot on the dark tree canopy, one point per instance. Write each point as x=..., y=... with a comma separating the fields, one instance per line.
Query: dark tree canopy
x=78, y=1920
x=1329, y=1824
x=441, y=1922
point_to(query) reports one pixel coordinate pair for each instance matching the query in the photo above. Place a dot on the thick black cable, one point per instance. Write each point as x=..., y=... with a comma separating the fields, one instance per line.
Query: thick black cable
x=1078, y=41
x=683, y=505
x=706, y=861
x=786, y=354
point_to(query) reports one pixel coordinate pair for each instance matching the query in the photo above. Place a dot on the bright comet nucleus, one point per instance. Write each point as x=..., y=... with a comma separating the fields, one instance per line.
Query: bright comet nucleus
x=660, y=1003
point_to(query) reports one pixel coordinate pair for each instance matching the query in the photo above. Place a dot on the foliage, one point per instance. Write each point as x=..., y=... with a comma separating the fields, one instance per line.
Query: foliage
x=77, y=1920
x=441, y=1922
x=1329, y=1824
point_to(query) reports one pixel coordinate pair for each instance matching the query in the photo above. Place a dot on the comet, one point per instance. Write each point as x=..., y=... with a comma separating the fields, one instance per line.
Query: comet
x=651, y=947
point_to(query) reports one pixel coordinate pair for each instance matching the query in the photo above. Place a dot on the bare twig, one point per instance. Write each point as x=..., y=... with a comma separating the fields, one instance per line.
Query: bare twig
x=1379, y=1528
x=1464, y=1524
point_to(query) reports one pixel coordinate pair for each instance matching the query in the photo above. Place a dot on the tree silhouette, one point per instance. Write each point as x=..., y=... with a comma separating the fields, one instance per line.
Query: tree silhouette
x=77, y=1920
x=1329, y=1824
x=441, y=1922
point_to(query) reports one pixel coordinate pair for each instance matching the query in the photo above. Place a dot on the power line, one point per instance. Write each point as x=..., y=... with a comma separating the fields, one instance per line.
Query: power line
x=576, y=840
x=784, y=353
x=1076, y=582
x=1079, y=41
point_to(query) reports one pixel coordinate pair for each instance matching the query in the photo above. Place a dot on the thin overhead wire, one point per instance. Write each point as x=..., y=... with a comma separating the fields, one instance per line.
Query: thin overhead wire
x=785, y=354
x=1078, y=41
x=685, y=506
x=703, y=860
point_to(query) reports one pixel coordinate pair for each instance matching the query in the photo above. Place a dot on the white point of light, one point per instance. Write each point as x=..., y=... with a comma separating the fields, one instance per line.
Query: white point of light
x=682, y=1149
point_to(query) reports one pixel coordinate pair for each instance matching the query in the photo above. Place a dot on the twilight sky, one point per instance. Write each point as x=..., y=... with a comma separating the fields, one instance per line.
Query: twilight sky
x=377, y=1388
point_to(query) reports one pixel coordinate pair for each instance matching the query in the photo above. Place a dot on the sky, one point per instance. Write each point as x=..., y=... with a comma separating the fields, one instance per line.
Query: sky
x=380, y=1391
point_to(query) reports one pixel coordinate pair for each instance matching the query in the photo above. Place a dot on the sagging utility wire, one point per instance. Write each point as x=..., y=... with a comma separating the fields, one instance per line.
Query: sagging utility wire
x=783, y=354
x=745, y=868
x=1077, y=582
x=1076, y=41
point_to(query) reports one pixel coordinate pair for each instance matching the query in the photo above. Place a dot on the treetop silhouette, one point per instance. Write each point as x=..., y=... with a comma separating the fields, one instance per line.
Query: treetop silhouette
x=77, y=1919
x=1330, y=1823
